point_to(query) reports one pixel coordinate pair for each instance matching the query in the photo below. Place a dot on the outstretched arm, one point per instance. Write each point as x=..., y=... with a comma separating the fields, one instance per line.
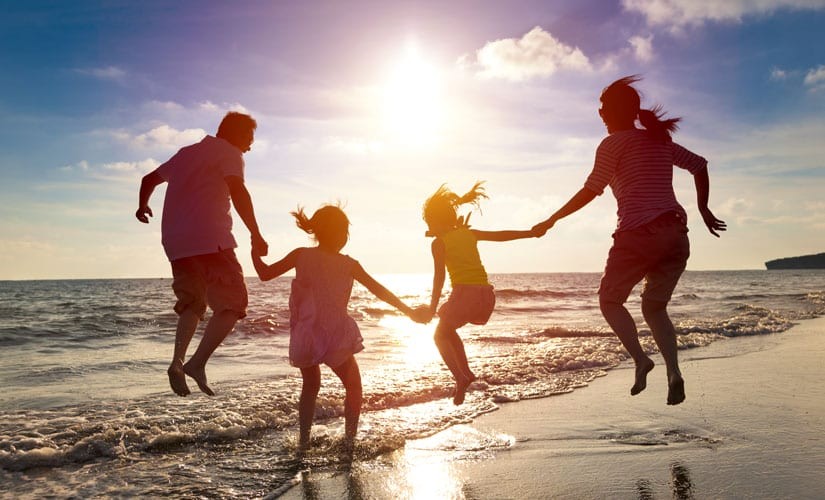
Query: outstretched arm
x=577, y=202
x=268, y=272
x=147, y=186
x=702, y=182
x=508, y=235
x=380, y=291
x=242, y=202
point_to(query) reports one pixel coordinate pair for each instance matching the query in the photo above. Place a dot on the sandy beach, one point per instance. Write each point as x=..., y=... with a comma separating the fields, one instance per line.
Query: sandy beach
x=753, y=426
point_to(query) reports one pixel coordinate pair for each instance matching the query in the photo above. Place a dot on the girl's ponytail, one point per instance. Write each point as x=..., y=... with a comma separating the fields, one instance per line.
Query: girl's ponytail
x=652, y=120
x=473, y=196
x=302, y=221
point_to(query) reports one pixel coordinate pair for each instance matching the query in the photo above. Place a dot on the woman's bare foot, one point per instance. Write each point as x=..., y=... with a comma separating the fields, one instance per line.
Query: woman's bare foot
x=675, y=390
x=461, y=389
x=177, y=379
x=642, y=369
x=200, y=377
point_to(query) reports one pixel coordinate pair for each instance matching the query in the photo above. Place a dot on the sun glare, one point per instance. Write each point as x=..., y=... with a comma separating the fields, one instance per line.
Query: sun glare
x=413, y=108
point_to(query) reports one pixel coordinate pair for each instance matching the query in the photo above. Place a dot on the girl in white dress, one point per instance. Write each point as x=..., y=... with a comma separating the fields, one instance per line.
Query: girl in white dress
x=321, y=330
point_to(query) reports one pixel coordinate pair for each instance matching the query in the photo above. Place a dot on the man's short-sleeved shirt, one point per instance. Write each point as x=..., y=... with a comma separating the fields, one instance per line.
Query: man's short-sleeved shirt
x=196, y=210
x=639, y=170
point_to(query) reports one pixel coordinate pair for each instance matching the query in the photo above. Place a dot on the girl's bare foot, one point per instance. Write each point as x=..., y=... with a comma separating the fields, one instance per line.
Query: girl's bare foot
x=461, y=386
x=200, y=377
x=642, y=369
x=177, y=379
x=675, y=390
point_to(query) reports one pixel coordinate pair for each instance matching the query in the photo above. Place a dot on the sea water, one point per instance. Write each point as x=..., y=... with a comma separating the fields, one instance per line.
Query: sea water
x=85, y=408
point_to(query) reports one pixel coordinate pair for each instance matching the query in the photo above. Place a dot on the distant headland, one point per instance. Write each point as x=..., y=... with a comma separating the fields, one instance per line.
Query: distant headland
x=815, y=261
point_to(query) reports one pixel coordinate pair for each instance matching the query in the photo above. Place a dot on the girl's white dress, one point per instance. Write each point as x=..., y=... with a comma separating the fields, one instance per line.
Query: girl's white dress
x=320, y=329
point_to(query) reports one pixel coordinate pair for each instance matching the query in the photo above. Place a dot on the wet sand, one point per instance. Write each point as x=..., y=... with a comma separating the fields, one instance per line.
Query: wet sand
x=753, y=426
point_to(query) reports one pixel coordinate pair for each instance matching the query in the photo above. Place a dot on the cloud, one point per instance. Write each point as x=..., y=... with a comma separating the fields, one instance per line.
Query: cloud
x=163, y=138
x=142, y=166
x=535, y=54
x=112, y=73
x=815, y=78
x=778, y=74
x=680, y=13
x=642, y=47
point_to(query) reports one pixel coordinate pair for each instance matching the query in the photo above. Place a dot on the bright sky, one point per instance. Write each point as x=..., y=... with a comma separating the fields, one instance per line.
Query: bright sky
x=376, y=103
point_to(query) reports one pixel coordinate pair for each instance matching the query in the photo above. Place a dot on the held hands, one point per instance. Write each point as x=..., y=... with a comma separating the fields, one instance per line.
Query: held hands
x=259, y=247
x=712, y=222
x=421, y=314
x=143, y=214
x=541, y=228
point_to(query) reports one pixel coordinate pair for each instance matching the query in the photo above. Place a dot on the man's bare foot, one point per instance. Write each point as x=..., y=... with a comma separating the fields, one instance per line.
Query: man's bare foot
x=200, y=378
x=642, y=369
x=675, y=390
x=177, y=379
x=461, y=389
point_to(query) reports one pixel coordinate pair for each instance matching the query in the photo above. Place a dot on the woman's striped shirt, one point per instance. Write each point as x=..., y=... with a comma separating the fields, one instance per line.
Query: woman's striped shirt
x=639, y=170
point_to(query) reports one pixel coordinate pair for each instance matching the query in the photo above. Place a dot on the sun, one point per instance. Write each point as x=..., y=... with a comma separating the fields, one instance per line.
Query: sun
x=413, y=105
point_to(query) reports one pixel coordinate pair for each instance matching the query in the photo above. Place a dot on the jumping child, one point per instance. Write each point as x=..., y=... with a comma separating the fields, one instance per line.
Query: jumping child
x=472, y=298
x=321, y=331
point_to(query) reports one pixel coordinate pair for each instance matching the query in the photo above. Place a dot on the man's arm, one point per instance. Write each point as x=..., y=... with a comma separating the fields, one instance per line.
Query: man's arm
x=702, y=183
x=242, y=202
x=576, y=203
x=147, y=186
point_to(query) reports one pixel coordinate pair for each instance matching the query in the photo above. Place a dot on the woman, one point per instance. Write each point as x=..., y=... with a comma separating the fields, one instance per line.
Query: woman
x=650, y=240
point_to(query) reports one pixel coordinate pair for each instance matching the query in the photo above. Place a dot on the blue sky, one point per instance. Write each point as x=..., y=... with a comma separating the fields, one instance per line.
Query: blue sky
x=375, y=104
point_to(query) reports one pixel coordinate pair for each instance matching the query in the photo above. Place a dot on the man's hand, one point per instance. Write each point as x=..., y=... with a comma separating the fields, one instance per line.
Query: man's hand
x=143, y=214
x=259, y=246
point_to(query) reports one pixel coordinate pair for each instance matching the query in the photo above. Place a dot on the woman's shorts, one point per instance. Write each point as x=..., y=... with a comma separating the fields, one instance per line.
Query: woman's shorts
x=656, y=252
x=215, y=279
x=468, y=304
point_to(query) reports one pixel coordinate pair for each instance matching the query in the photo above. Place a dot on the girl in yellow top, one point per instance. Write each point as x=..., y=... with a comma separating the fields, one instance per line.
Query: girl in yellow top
x=472, y=298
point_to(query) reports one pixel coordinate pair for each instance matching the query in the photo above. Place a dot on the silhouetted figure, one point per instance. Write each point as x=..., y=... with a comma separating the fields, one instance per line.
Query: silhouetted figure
x=196, y=232
x=472, y=298
x=651, y=239
x=321, y=330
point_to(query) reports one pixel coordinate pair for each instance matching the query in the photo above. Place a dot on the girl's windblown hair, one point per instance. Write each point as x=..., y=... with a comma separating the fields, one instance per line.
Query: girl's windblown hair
x=329, y=224
x=440, y=208
x=621, y=101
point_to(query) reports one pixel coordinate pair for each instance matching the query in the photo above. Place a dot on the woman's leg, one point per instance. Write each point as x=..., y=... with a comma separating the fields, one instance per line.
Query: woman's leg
x=306, y=404
x=622, y=324
x=350, y=376
x=655, y=313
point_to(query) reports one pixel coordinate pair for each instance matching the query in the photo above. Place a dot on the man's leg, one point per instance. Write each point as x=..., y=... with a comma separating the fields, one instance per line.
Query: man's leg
x=187, y=324
x=218, y=327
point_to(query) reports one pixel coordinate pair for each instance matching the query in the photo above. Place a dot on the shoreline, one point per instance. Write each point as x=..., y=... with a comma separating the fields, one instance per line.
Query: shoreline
x=752, y=426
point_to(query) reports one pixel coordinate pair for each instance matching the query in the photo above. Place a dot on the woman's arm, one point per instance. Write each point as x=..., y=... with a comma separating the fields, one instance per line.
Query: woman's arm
x=577, y=202
x=702, y=183
x=268, y=272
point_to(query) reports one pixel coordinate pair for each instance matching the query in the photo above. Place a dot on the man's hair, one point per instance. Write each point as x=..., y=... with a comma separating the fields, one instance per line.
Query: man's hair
x=235, y=125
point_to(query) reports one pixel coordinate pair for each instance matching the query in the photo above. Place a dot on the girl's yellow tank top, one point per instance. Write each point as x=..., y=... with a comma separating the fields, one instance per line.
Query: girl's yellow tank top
x=462, y=258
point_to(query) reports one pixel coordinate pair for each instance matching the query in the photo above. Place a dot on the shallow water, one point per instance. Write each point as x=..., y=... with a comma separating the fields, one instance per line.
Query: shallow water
x=86, y=410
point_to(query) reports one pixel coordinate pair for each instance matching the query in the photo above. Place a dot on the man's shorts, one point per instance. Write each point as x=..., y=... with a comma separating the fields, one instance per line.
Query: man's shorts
x=215, y=279
x=657, y=252
x=468, y=304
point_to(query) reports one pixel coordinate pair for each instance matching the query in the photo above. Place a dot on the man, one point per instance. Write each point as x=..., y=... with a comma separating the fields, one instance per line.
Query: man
x=197, y=237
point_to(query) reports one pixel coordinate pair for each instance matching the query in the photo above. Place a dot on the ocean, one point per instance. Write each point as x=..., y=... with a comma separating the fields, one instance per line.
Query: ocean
x=87, y=412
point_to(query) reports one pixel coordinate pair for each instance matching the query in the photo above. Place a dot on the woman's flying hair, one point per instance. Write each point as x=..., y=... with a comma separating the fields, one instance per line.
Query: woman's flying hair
x=620, y=100
x=326, y=223
x=442, y=205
